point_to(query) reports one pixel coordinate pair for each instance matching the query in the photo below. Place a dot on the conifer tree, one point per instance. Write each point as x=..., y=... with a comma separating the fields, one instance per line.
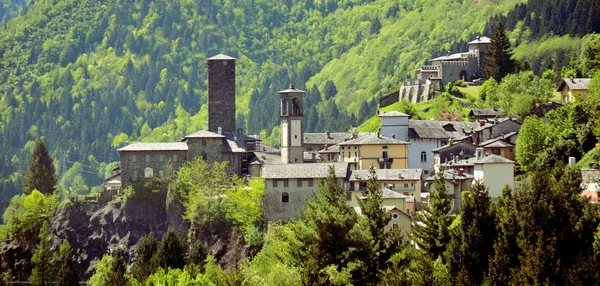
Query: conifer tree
x=117, y=270
x=40, y=171
x=381, y=245
x=42, y=259
x=324, y=230
x=473, y=239
x=171, y=251
x=66, y=270
x=498, y=62
x=143, y=265
x=431, y=233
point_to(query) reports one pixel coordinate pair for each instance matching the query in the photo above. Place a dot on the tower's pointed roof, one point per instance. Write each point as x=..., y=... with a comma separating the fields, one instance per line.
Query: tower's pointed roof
x=221, y=57
x=292, y=89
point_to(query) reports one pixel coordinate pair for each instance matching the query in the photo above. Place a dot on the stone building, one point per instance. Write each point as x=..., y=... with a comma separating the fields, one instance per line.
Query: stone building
x=292, y=113
x=222, y=142
x=288, y=186
x=375, y=151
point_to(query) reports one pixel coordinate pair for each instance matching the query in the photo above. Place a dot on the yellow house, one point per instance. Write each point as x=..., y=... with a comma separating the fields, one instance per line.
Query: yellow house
x=376, y=151
x=569, y=87
x=403, y=181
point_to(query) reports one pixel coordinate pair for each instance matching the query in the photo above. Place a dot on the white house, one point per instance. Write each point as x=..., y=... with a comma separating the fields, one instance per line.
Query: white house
x=495, y=172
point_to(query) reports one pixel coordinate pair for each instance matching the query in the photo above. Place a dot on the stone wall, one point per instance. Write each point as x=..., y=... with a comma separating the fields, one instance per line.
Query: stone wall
x=450, y=70
x=134, y=163
x=221, y=95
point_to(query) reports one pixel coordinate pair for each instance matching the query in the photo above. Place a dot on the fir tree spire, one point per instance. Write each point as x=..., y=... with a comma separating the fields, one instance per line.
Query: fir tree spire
x=499, y=62
x=40, y=171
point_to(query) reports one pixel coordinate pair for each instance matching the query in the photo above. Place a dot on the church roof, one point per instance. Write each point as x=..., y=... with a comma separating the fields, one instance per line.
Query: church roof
x=304, y=170
x=221, y=57
x=171, y=146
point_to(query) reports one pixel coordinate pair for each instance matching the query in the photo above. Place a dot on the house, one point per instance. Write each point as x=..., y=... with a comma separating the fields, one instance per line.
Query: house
x=498, y=146
x=392, y=202
x=495, y=172
x=570, y=87
x=456, y=183
x=144, y=161
x=330, y=154
x=478, y=114
x=494, y=128
x=403, y=181
x=288, y=186
x=590, y=180
x=319, y=141
x=423, y=135
x=375, y=150
x=448, y=153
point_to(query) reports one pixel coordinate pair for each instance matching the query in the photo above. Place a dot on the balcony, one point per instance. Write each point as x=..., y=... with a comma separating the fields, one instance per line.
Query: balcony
x=385, y=160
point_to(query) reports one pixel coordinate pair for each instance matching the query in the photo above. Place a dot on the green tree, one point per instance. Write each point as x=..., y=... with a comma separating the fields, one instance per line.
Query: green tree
x=40, y=171
x=143, y=264
x=26, y=214
x=431, y=232
x=590, y=54
x=171, y=251
x=65, y=269
x=323, y=230
x=117, y=269
x=499, y=62
x=42, y=272
x=473, y=238
x=381, y=245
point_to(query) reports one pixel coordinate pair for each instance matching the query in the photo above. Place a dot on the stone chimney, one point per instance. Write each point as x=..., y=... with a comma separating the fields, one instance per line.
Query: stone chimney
x=314, y=156
x=393, y=136
x=572, y=79
x=572, y=162
x=328, y=135
x=461, y=172
x=478, y=153
x=481, y=123
x=219, y=130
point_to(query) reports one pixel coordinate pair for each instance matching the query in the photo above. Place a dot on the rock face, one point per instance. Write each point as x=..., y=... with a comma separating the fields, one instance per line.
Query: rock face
x=94, y=229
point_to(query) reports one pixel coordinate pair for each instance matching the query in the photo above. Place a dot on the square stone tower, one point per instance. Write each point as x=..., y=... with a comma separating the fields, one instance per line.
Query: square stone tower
x=292, y=113
x=221, y=94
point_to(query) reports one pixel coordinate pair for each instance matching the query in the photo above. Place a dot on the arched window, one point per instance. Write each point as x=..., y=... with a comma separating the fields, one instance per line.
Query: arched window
x=285, y=198
x=148, y=172
x=423, y=157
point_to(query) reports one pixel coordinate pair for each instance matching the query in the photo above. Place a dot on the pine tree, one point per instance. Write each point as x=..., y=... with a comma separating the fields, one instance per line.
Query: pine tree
x=42, y=258
x=498, y=62
x=40, y=171
x=117, y=269
x=171, y=251
x=431, y=233
x=66, y=270
x=473, y=239
x=143, y=265
x=381, y=245
x=324, y=230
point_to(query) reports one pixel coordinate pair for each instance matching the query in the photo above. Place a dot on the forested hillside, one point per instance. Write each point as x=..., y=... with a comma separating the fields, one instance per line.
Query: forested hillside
x=91, y=76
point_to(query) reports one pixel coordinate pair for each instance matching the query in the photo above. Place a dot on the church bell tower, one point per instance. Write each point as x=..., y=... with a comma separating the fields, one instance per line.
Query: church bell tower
x=292, y=113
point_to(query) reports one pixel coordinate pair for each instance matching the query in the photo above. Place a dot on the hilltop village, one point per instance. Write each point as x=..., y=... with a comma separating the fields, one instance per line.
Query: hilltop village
x=405, y=154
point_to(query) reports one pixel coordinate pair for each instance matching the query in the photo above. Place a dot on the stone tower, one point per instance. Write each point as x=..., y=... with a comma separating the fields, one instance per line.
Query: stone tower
x=221, y=93
x=479, y=47
x=292, y=113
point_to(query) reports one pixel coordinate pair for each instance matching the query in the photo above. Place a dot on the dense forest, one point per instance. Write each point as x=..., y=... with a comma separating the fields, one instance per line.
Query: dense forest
x=91, y=76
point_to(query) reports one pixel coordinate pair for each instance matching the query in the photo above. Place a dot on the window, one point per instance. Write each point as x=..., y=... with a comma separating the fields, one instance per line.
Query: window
x=348, y=196
x=299, y=183
x=355, y=154
x=310, y=183
x=406, y=185
x=135, y=176
x=412, y=184
x=161, y=157
x=285, y=198
x=161, y=173
x=423, y=157
x=385, y=165
x=426, y=172
x=274, y=183
x=148, y=172
x=349, y=154
x=174, y=157
x=285, y=183
x=384, y=152
x=395, y=216
x=147, y=158
x=203, y=142
x=133, y=158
